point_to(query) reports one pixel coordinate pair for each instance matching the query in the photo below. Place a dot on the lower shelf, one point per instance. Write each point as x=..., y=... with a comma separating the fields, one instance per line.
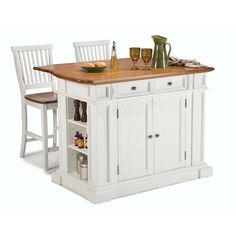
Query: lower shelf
x=82, y=150
x=77, y=177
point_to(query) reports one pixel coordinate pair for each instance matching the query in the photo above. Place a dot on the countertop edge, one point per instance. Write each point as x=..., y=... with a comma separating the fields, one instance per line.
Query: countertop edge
x=50, y=69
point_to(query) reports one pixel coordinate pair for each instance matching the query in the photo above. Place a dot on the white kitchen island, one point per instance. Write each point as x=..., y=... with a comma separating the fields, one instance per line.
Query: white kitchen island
x=145, y=128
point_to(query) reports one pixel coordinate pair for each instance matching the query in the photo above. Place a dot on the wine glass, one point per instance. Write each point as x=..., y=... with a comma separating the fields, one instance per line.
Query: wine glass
x=146, y=54
x=134, y=55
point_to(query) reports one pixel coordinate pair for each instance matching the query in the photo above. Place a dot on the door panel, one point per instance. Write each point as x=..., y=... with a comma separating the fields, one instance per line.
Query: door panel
x=135, y=149
x=169, y=124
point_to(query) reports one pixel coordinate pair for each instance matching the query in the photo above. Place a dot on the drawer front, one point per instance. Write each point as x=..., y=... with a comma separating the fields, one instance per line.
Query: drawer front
x=88, y=92
x=199, y=81
x=134, y=88
x=77, y=89
x=171, y=84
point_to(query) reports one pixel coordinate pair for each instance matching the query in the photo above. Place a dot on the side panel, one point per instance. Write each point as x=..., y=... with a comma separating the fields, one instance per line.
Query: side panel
x=198, y=126
x=103, y=143
x=62, y=124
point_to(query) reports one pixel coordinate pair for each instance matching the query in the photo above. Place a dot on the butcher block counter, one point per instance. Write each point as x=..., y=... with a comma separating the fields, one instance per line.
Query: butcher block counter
x=73, y=72
x=144, y=128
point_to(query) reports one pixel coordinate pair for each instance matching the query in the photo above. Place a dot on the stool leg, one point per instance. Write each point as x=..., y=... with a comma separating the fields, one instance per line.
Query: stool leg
x=44, y=121
x=54, y=127
x=24, y=129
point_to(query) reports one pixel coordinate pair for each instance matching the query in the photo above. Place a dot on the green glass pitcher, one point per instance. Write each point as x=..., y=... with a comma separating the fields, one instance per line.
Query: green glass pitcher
x=160, y=57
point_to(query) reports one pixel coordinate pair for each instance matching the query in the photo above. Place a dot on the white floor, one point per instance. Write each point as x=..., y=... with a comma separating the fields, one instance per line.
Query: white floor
x=36, y=159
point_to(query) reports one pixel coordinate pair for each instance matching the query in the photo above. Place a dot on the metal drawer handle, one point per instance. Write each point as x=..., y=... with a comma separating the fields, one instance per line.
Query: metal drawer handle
x=133, y=88
x=150, y=136
x=169, y=83
x=157, y=135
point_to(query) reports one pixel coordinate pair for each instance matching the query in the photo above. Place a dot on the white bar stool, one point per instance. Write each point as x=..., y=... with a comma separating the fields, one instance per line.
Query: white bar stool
x=92, y=50
x=25, y=58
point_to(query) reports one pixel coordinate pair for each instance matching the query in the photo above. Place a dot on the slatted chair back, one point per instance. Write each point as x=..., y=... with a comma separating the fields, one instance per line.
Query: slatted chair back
x=26, y=57
x=92, y=50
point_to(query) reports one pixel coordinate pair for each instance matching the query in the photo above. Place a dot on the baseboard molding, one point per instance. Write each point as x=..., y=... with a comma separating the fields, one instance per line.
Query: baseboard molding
x=111, y=191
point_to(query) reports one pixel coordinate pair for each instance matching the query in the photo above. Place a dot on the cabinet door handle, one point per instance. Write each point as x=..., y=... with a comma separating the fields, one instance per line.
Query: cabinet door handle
x=150, y=136
x=157, y=135
x=133, y=88
x=169, y=83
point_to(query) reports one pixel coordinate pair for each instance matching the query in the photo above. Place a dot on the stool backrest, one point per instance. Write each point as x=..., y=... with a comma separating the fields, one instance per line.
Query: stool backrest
x=92, y=50
x=27, y=57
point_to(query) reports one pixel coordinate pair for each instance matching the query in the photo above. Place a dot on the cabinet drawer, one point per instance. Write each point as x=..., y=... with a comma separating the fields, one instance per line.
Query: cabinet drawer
x=171, y=84
x=199, y=81
x=134, y=88
x=90, y=92
x=77, y=89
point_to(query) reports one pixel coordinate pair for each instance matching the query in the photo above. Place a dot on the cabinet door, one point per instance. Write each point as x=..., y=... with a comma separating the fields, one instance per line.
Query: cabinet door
x=169, y=127
x=135, y=147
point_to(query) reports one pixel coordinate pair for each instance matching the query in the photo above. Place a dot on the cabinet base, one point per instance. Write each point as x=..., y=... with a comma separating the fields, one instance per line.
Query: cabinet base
x=111, y=191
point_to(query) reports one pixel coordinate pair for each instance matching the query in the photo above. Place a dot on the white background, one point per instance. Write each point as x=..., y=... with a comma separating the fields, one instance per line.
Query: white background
x=31, y=205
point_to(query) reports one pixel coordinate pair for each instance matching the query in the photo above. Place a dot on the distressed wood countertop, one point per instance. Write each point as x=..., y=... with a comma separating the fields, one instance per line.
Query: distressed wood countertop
x=73, y=72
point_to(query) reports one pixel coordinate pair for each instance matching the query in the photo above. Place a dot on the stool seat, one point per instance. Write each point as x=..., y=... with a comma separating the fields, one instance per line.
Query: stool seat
x=42, y=98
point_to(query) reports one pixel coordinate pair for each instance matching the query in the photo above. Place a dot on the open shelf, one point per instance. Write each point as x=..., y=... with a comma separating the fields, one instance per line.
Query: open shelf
x=79, y=123
x=81, y=150
x=74, y=152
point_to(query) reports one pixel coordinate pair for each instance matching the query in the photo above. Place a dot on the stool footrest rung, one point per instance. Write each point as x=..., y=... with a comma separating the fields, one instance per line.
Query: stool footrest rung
x=36, y=137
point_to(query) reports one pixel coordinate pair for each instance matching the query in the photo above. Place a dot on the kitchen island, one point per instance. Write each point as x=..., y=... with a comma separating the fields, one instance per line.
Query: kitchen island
x=145, y=128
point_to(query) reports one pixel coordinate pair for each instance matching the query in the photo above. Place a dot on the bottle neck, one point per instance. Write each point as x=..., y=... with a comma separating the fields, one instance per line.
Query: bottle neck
x=113, y=52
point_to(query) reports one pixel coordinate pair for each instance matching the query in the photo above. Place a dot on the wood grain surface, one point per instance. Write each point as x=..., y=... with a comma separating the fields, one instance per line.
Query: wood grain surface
x=43, y=98
x=73, y=72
